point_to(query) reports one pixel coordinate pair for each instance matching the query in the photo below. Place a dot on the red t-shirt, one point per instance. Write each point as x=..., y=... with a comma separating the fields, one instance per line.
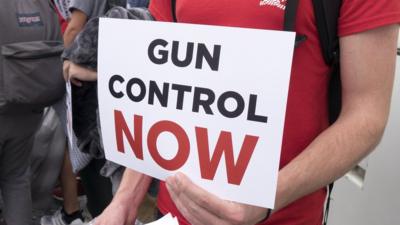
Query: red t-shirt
x=307, y=114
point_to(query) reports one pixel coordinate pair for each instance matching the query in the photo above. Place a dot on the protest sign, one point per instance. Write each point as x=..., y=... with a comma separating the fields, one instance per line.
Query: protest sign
x=208, y=101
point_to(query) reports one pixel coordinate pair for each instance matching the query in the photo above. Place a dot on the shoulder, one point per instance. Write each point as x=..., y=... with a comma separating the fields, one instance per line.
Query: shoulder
x=362, y=15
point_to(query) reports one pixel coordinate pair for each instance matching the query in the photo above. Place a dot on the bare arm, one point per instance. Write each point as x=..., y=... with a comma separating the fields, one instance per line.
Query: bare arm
x=123, y=208
x=75, y=25
x=367, y=72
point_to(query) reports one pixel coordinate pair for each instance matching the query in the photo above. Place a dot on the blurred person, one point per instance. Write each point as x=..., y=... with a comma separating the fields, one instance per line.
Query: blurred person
x=97, y=188
x=27, y=26
x=83, y=51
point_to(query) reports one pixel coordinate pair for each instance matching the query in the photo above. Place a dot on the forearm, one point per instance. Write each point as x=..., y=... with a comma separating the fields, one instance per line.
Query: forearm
x=75, y=25
x=69, y=35
x=133, y=187
x=367, y=75
x=323, y=161
x=124, y=207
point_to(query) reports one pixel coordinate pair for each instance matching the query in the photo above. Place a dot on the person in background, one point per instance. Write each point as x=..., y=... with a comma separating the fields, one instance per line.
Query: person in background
x=97, y=188
x=70, y=212
x=20, y=22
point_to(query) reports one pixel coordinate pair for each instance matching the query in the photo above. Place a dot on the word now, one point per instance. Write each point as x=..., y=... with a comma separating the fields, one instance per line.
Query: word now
x=208, y=163
x=202, y=97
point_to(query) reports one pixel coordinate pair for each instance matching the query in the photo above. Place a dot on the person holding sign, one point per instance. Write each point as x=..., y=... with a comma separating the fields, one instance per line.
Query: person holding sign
x=313, y=153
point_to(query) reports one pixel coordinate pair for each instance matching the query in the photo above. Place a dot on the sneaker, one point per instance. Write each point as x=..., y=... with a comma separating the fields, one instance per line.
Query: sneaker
x=58, y=218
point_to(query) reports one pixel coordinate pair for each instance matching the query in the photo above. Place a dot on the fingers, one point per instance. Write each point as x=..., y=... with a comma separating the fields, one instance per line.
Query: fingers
x=76, y=74
x=66, y=65
x=183, y=185
x=76, y=82
x=194, y=213
x=201, y=207
x=81, y=73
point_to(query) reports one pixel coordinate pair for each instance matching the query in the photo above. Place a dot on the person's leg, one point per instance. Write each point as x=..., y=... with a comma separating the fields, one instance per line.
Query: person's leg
x=70, y=211
x=69, y=186
x=98, y=188
x=46, y=160
x=17, y=139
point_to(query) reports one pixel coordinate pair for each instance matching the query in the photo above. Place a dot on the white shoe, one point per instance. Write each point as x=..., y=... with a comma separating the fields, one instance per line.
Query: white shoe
x=57, y=219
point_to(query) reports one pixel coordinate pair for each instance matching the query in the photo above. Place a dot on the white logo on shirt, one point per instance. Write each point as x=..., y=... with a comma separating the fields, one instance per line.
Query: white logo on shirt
x=281, y=4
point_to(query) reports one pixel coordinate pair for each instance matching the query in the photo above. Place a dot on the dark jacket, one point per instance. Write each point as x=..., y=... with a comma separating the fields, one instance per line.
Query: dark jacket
x=83, y=51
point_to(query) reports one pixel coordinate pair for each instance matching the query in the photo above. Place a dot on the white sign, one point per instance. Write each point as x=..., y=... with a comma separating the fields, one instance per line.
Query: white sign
x=208, y=101
x=69, y=118
x=165, y=220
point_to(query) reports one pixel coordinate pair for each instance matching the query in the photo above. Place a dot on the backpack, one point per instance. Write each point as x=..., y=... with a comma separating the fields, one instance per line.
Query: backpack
x=326, y=16
x=113, y=3
x=30, y=48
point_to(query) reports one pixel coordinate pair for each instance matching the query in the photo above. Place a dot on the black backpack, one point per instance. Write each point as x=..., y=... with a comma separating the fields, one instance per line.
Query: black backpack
x=326, y=16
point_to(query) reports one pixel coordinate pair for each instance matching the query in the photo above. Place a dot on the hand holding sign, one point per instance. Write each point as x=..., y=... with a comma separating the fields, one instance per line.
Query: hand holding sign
x=201, y=207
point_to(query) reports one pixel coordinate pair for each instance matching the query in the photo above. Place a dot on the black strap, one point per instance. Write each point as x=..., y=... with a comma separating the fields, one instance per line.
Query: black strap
x=173, y=10
x=326, y=16
x=328, y=203
x=289, y=23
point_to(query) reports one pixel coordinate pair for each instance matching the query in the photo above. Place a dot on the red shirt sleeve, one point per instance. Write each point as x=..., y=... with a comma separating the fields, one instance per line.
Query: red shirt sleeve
x=161, y=10
x=361, y=15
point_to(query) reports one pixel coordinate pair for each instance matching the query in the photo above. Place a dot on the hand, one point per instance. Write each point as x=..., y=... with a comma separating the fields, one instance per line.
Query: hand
x=201, y=207
x=116, y=213
x=76, y=73
x=66, y=65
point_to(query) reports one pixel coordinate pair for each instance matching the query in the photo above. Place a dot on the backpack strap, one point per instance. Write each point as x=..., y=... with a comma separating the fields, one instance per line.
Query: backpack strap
x=326, y=16
x=173, y=10
x=289, y=23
